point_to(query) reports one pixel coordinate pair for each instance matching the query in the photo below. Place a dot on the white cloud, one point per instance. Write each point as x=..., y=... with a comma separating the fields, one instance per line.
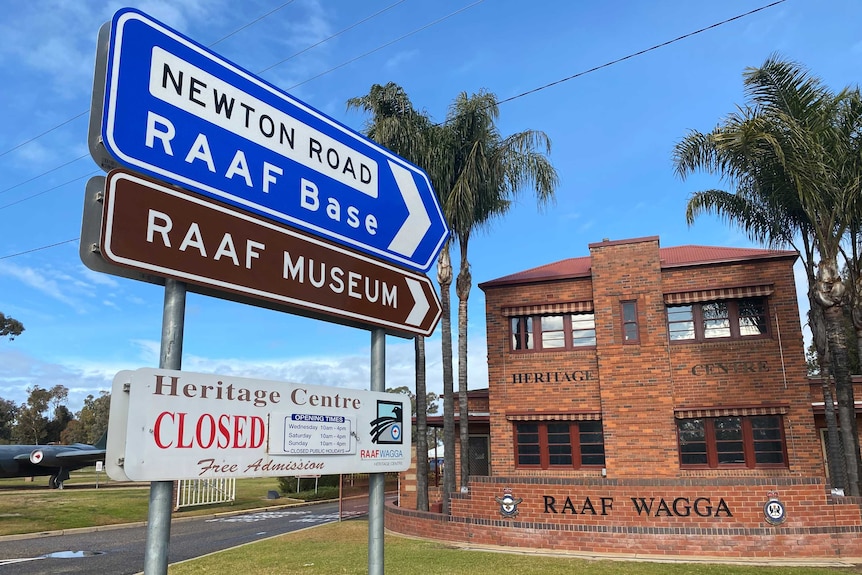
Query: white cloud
x=36, y=153
x=400, y=58
x=349, y=370
x=99, y=278
x=40, y=280
x=586, y=226
x=313, y=27
x=21, y=372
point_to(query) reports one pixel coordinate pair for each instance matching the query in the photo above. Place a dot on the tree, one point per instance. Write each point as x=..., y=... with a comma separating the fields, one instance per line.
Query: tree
x=430, y=401
x=487, y=171
x=31, y=425
x=10, y=326
x=444, y=278
x=395, y=124
x=73, y=433
x=421, y=410
x=420, y=407
x=94, y=417
x=476, y=173
x=790, y=154
x=62, y=417
x=8, y=414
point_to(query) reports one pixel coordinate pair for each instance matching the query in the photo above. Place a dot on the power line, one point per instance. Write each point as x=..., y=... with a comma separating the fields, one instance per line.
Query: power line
x=48, y=190
x=255, y=21
x=85, y=112
x=511, y=98
x=271, y=12
x=40, y=248
x=640, y=53
x=19, y=184
x=25, y=142
x=339, y=33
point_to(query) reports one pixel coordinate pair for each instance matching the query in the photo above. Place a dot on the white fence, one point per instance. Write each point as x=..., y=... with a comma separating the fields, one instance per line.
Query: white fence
x=205, y=491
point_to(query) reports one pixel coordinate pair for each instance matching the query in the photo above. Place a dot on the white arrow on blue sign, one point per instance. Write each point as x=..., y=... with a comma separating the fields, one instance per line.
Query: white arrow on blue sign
x=181, y=113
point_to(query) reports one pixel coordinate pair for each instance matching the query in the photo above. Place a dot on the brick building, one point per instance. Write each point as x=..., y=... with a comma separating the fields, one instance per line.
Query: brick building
x=648, y=400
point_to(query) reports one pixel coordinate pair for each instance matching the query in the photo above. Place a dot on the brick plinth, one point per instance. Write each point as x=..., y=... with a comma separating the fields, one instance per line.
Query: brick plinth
x=692, y=517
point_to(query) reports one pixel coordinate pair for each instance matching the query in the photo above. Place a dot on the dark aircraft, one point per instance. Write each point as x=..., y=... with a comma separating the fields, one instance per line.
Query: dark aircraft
x=56, y=461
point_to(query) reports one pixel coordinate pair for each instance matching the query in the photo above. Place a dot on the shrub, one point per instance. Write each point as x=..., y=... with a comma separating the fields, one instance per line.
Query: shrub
x=288, y=485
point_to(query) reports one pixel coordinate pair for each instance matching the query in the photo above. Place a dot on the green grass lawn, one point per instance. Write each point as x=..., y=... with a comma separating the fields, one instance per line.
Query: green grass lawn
x=31, y=507
x=343, y=548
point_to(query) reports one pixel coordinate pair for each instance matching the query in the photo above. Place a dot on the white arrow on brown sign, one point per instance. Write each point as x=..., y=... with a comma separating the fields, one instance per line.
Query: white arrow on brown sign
x=168, y=232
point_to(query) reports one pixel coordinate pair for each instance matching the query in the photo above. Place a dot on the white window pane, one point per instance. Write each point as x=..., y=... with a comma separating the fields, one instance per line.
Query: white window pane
x=716, y=328
x=553, y=339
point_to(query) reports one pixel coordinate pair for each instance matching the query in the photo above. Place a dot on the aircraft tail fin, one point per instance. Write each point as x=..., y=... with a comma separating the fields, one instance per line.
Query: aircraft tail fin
x=103, y=442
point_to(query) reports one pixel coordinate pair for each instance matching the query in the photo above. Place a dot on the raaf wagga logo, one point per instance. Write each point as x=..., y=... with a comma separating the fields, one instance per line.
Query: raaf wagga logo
x=386, y=429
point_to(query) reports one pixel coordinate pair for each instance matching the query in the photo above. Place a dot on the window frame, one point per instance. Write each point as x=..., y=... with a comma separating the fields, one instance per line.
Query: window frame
x=733, y=315
x=635, y=322
x=748, y=444
x=576, y=447
x=522, y=335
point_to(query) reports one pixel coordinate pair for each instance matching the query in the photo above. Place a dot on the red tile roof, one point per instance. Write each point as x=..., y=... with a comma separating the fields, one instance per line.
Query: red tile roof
x=678, y=256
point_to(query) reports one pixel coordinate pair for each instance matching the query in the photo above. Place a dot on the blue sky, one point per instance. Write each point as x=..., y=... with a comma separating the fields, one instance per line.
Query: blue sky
x=613, y=131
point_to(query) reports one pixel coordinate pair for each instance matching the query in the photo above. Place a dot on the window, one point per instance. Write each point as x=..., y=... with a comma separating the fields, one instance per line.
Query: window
x=739, y=441
x=553, y=332
x=522, y=333
x=631, y=333
x=560, y=444
x=725, y=319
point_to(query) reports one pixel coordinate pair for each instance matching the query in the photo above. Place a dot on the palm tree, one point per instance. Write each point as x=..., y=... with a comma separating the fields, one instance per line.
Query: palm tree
x=846, y=158
x=396, y=125
x=788, y=152
x=487, y=171
x=476, y=173
x=766, y=207
x=421, y=426
x=444, y=278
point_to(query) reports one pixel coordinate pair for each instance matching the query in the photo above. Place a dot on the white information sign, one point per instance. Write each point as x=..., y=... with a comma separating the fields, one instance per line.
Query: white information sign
x=317, y=434
x=171, y=425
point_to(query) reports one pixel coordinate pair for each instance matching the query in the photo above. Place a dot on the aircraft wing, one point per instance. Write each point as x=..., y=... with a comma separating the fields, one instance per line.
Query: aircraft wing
x=81, y=455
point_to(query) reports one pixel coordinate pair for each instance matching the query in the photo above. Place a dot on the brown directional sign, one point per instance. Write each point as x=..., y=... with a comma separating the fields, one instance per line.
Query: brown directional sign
x=164, y=231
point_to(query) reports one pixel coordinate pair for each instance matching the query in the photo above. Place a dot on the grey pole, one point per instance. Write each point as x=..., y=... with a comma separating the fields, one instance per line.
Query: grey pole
x=162, y=492
x=376, y=487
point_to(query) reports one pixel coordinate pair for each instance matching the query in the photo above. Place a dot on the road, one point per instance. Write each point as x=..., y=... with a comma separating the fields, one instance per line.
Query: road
x=121, y=551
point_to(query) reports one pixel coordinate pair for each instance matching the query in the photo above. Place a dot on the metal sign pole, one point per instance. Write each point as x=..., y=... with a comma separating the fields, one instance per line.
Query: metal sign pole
x=376, y=492
x=161, y=492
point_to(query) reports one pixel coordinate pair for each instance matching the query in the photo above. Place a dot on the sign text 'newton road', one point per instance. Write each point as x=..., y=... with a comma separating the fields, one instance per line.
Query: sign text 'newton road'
x=168, y=232
x=189, y=425
x=178, y=112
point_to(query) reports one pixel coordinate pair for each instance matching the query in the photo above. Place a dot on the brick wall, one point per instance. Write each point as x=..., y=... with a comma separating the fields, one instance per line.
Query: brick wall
x=647, y=503
x=695, y=517
x=638, y=388
x=637, y=400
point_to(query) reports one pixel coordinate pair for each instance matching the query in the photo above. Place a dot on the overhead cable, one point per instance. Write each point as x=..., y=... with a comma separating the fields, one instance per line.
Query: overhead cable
x=509, y=99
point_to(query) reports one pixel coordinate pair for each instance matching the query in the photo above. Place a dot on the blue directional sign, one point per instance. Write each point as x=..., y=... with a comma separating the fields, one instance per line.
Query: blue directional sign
x=181, y=113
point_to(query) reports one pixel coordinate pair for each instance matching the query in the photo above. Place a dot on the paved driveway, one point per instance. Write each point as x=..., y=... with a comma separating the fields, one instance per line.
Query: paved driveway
x=121, y=551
